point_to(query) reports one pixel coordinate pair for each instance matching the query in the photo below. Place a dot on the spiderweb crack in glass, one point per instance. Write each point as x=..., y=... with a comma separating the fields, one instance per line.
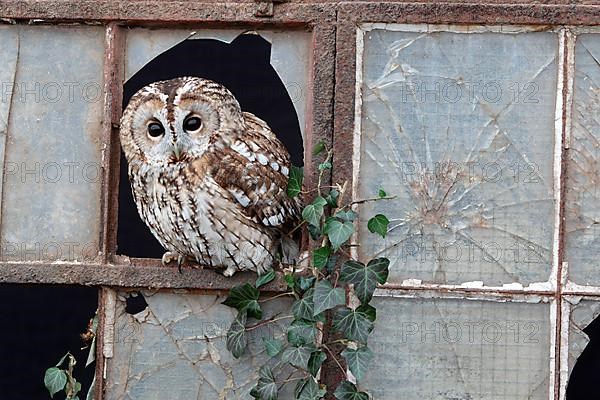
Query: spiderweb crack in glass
x=462, y=126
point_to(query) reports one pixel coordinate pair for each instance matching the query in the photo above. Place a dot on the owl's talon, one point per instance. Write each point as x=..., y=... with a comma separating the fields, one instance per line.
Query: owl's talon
x=170, y=256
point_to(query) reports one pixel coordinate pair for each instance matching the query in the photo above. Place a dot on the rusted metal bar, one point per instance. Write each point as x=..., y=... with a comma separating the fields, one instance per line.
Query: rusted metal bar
x=113, y=91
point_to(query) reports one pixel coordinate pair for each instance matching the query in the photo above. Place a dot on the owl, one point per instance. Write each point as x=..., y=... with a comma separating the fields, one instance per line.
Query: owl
x=208, y=179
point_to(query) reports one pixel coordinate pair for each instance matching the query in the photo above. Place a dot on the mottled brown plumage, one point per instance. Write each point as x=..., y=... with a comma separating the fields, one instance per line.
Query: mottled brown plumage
x=208, y=179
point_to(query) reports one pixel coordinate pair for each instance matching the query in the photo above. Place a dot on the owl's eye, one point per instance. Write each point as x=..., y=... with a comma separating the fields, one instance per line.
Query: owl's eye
x=192, y=124
x=155, y=129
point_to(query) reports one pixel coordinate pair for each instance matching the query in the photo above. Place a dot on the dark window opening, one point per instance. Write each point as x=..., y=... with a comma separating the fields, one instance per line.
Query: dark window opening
x=39, y=325
x=243, y=66
x=583, y=382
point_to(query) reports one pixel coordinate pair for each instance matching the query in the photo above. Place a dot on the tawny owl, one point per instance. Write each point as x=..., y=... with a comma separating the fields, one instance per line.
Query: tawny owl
x=208, y=179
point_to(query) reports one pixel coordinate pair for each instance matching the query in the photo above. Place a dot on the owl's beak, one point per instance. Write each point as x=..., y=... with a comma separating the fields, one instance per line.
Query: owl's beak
x=177, y=151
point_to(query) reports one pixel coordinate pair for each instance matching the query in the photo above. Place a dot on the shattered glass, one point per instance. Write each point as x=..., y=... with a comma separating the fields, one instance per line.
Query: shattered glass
x=176, y=349
x=582, y=206
x=583, y=312
x=50, y=125
x=459, y=127
x=439, y=349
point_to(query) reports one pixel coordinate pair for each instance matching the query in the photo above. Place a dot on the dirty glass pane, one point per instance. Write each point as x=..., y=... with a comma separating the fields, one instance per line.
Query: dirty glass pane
x=289, y=55
x=51, y=193
x=175, y=349
x=460, y=128
x=457, y=349
x=582, y=207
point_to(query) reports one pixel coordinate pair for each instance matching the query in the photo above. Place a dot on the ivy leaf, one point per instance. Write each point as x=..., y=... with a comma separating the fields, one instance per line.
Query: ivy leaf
x=331, y=263
x=315, y=361
x=365, y=278
x=326, y=297
x=304, y=307
x=289, y=279
x=332, y=197
x=298, y=356
x=313, y=212
x=325, y=165
x=306, y=283
x=55, y=380
x=369, y=311
x=314, y=231
x=295, y=181
x=308, y=389
x=236, y=335
x=245, y=298
x=265, y=278
x=346, y=215
x=358, y=360
x=348, y=391
x=273, y=346
x=318, y=148
x=352, y=324
x=382, y=193
x=320, y=257
x=338, y=232
x=301, y=332
x=266, y=389
x=378, y=224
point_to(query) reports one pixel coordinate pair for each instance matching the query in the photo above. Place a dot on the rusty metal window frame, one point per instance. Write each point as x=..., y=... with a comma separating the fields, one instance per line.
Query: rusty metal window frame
x=330, y=116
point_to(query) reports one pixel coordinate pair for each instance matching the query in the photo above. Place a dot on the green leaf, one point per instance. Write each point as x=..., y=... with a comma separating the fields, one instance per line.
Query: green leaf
x=306, y=283
x=365, y=277
x=326, y=296
x=352, y=324
x=331, y=263
x=266, y=389
x=295, y=181
x=325, y=165
x=298, y=356
x=369, y=311
x=236, y=335
x=348, y=391
x=378, y=224
x=382, y=193
x=315, y=361
x=338, y=232
x=76, y=387
x=318, y=148
x=346, y=215
x=313, y=212
x=273, y=346
x=55, y=380
x=265, y=278
x=315, y=232
x=358, y=360
x=308, y=389
x=245, y=298
x=320, y=257
x=289, y=279
x=332, y=197
x=304, y=307
x=301, y=332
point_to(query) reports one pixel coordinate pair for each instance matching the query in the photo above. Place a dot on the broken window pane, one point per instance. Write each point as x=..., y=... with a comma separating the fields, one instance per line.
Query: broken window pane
x=582, y=206
x=458, y=349
x=52, y=99
x=175, y=349
x=459, y=126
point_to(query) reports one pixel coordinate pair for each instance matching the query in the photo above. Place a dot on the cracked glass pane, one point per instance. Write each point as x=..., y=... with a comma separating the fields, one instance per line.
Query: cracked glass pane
x=455, y=349
x=175, y=349
x=289, y=55
x=52, y=82
x=582, y=206
x=459, y=126
x=583, y=312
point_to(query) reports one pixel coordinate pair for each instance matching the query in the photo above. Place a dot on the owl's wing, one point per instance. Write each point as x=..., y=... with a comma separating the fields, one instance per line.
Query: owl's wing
x=255, y=171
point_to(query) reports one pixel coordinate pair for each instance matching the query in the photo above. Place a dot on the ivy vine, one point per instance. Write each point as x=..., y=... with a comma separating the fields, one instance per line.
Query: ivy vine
x=334, y=290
